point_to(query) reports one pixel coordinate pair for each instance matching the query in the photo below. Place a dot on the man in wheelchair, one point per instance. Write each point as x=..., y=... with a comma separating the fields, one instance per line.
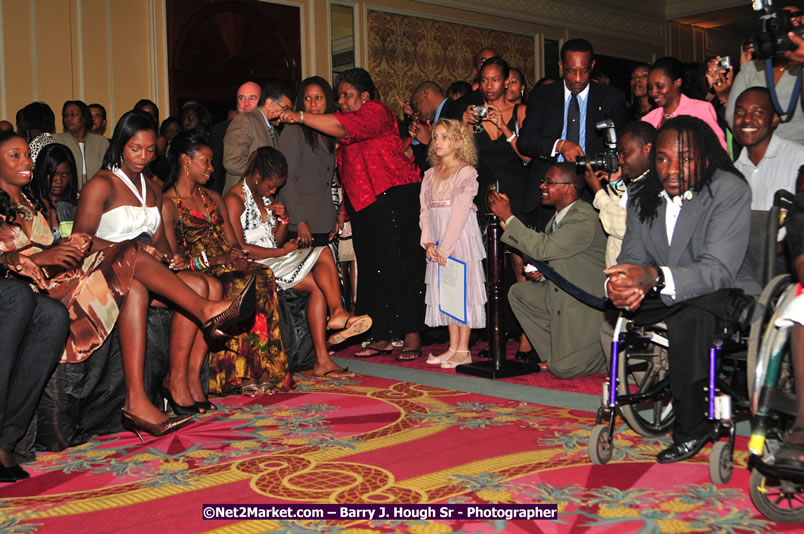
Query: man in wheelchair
x=683, y=261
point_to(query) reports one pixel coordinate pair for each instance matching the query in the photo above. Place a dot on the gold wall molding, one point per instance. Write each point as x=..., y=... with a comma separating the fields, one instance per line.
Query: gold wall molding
x=599, y=17
x=398, y=64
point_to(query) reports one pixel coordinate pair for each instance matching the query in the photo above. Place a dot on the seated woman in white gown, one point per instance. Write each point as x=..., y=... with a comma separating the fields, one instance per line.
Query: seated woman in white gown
x=262, y=228
x=120, y=204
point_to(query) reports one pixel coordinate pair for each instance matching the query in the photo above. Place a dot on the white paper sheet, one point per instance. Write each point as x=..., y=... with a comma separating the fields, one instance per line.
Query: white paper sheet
x=452, y=289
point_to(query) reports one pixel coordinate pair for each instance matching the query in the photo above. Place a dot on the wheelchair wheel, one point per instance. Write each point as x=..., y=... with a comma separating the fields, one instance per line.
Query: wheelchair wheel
x=642, y=365
x=599, y=448
x=762, y=330
x=779, y=500
x=720, y=465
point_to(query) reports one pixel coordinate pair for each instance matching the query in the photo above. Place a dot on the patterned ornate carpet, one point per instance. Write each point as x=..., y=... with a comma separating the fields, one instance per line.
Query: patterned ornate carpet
x=590, y=385
x=371, y=440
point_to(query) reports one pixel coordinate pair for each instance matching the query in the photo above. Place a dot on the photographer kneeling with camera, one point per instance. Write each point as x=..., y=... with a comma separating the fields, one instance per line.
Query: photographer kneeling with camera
x=573, y=243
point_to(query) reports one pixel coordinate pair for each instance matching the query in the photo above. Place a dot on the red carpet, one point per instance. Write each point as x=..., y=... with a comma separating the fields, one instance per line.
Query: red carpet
x=372, y=440
x=591, y=385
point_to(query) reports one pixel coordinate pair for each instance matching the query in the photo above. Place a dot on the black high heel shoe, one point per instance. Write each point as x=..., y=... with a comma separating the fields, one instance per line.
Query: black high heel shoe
x=134, y=424
x=177, y=408
x=206, y=406
x=244, y=305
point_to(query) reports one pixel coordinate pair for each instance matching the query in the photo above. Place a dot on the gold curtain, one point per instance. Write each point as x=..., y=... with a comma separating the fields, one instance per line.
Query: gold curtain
x=404, y=51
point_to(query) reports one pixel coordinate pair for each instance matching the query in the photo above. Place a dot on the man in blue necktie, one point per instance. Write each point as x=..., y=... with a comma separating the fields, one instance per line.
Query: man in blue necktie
x=561, y=118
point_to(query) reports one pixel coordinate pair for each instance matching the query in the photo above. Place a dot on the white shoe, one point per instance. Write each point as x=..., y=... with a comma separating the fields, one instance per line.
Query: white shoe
x=436, y=360
x=454, y=362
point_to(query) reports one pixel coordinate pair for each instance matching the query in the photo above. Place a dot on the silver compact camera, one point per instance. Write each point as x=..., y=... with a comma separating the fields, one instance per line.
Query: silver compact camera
x=724, y=63
x=481, y=111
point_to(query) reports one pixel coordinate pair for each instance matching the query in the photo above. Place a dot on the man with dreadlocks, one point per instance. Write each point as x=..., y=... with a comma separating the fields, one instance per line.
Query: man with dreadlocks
x=683, y=261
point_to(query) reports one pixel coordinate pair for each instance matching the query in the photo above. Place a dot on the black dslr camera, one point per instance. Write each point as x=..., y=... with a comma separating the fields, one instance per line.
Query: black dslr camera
x=606, y=160
x=772, y=40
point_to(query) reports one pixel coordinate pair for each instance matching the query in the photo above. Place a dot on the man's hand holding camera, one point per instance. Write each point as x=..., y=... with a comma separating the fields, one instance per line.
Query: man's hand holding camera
x=499, y=205
x=419, y=130
x=797, y=55
x=596, y=179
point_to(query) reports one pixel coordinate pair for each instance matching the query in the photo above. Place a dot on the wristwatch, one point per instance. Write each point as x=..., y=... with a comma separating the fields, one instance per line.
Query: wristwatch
x=658, y=284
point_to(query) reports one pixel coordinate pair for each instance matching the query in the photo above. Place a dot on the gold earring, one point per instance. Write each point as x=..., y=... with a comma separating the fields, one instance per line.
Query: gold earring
x=186, y=170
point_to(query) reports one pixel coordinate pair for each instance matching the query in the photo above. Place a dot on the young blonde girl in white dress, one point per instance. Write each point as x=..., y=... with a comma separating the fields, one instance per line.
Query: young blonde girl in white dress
x=449, y=229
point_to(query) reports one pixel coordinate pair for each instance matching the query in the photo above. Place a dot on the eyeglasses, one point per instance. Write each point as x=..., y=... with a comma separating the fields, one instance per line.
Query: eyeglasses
x=556, y=183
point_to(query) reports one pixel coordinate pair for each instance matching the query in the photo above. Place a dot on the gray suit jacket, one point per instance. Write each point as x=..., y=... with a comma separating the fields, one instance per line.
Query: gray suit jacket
x=710, y=240
x=246, y=133
x=308, y=192
x=94, y=149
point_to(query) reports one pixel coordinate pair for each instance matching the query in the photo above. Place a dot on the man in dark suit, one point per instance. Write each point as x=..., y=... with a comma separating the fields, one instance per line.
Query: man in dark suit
x=429, y=104
x=561, y=118
x=683, y=261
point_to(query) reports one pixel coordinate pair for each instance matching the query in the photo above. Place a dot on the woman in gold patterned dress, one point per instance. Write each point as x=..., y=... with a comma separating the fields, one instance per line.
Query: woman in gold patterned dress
x=196, y=227
x=99, y=288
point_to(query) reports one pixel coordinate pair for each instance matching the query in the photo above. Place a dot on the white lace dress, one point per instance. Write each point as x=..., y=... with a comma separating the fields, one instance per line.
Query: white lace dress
x=289, y=269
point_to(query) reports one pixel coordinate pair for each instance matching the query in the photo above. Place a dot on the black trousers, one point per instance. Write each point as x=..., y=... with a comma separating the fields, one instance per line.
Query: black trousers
x=33, y=331
x=691, y=329
x=390, y=262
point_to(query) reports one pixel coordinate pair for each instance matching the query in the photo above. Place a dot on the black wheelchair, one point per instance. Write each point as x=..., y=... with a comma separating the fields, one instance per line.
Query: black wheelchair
x=638, y=387
x=639, y=390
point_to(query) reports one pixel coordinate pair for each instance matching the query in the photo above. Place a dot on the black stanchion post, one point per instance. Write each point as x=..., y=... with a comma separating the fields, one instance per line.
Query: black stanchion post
x=497, y=366
x=496, y=299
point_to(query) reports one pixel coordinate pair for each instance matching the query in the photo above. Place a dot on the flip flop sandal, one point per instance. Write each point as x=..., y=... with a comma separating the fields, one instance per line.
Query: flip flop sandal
x=344, y=370
x=377, y=352
x=409, y=355
x=359, y=324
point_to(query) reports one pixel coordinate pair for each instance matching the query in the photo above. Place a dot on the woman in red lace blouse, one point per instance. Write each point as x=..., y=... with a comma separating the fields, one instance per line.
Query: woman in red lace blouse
x=382, y=188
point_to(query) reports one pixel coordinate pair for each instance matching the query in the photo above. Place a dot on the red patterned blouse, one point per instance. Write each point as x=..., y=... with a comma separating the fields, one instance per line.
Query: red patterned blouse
x=371, y=159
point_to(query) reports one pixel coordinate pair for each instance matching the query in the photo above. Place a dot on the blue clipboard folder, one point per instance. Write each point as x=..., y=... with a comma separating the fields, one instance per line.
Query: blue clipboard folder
x=452, y=289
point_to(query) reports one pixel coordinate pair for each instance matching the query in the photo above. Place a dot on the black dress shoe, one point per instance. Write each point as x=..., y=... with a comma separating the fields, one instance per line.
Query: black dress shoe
x=531, y=357
x=13, y=473
x=682, y=451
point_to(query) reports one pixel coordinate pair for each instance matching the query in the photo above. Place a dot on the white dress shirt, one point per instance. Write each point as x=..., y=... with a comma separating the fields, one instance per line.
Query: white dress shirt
x=778, y=169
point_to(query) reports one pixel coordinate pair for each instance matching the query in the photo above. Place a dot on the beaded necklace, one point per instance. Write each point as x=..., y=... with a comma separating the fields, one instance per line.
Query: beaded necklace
x=180, y=206
x=25, y=213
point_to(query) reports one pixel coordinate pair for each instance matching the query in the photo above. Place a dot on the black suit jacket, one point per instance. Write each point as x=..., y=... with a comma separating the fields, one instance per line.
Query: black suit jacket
x=543, y=125
x=455, y=108
x=218, y=178
x=447, y=112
